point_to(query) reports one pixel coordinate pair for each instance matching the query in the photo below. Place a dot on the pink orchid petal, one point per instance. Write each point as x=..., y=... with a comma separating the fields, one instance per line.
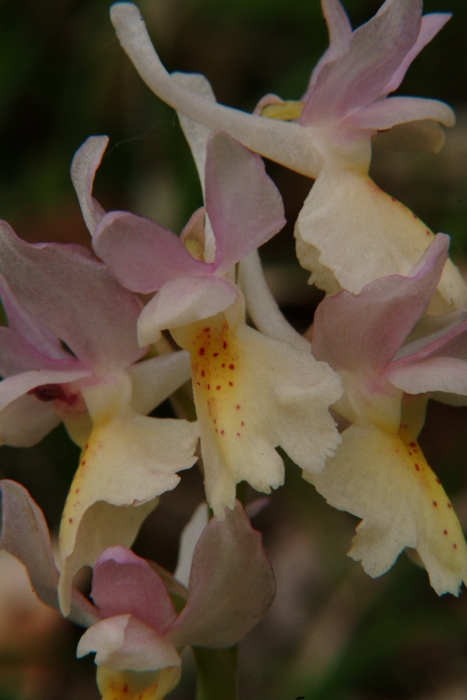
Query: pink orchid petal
x=13, y=387
x=231, y=584
x=124, y=642
x=452, y=343
x=75, y=296
x=83, y=170
x=375, y=322
x=358, y=76
x=431, y=25
x=25, y=421
x=17, y=355
x=141, y=254
x=243, y=204
x=447, y=374
x=340, y=33
x=124, y=583
x=398, y=110
x=25, y=535
x=182, y=301
x=30, y=328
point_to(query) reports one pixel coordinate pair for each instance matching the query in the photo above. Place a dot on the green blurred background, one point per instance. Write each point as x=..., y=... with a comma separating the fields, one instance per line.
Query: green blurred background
x=333, y=633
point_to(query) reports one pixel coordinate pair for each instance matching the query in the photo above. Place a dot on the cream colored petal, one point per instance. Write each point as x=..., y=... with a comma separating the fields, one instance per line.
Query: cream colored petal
x=252, y=394
x=129, y=460
x=360, y=233
x=386, y=481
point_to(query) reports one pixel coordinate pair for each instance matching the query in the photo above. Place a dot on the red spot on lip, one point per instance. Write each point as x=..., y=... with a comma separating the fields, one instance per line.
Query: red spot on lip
x=415, y=216
x=202, y=351
x=445, y=532
x=83, y=462
x=393, y=199
x=125, y=688
x=455, y=546
x=224, y=345
x=206, y=330
x=238, y=434
x=231, y=366
x=438, y=481
x=218, y=387
x=427, y=232
x=242, y=423
x=203, y=372
x=70, y=520
x=76, y=490
x=237, y=407
x=209, y=386
x=215, y=354
x=222, y=432
x=449, y=505
x=410, y=454
x=223, y=364
x=230, y=383
x=417, y=467
x=412, y=444
x=86, y=446
x=435, y=504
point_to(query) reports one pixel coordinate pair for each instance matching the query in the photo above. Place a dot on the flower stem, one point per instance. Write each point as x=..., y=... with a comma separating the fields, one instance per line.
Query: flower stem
x=216, y=673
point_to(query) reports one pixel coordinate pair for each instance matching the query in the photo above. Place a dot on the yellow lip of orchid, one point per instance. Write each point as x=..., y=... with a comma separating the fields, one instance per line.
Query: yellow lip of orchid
x=136, y=685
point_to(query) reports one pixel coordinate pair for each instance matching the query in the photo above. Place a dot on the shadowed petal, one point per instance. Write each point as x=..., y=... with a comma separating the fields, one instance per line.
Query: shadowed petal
x=83, y=170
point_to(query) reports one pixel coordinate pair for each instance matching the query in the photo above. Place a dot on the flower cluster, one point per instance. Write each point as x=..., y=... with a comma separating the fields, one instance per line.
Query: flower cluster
x=98, y=341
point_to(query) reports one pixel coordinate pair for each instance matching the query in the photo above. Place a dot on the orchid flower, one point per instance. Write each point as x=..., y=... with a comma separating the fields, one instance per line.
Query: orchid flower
x=251, y=392
x=134, y=625
x=101, y=392
x=344, y=106
x=379, y=472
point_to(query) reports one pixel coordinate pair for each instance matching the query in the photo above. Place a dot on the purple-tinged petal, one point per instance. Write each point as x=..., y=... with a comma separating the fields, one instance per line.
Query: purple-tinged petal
x=431, y=24
x=25, y=421
x=17, y=355
x=30, y=328
x=447, y=374
x=75, y=296
x=103, y=525
x=83, y=170
x=373, y=325
x=13, y=387
x=182, y=301
x=397, y=110
x=243, y=204
x=124, y=583
x=124, y=642
x=231, y=584
x=141, y=254
x=25, y=535
x=358, y=76
x=451, y=343
x=340, y=33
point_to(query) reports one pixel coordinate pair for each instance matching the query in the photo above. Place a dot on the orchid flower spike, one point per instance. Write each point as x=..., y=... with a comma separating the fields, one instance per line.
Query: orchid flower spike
x=379, y=472
x=100, y=387
x=252, y=393
x=327, y=135
x=138, y=643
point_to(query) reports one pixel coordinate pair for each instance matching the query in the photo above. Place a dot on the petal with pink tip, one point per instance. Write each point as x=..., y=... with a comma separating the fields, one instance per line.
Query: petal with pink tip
x=340, y=33
x=30, y=328
x=243, y=204
x=231, y=584
x=125, y=643
x=85, y=306
x=376, y=322
x=83, y=170
x=141, y=254
x=124, y=583
x=396, y=110
x=431, y=24
x=182, y=301
x=358, y=76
